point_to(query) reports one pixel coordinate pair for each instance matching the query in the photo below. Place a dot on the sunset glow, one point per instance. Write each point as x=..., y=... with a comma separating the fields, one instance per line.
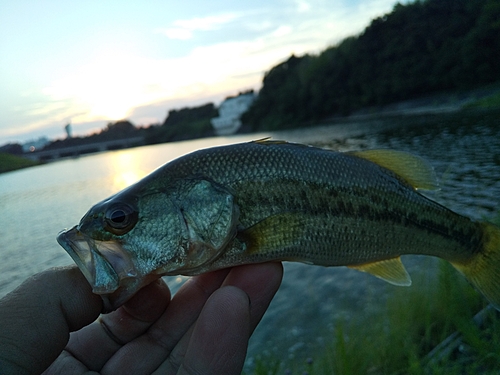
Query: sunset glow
x=94, y=63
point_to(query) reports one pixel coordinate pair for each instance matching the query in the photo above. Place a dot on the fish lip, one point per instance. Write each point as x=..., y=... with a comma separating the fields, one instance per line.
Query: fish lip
x=96, y=268
x=106, y=265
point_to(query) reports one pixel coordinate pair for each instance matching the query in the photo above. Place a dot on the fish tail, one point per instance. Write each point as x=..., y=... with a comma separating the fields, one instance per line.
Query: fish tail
x=483, y=269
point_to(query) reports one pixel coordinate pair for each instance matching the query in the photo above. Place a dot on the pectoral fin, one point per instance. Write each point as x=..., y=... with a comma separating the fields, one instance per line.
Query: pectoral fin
x=276, y=232
x=390, y=270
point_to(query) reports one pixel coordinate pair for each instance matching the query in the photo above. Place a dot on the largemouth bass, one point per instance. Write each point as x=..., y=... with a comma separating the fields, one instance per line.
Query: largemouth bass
x=272, y=200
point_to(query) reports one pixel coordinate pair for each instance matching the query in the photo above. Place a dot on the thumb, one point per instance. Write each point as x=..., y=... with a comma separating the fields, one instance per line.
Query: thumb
x=37, y=317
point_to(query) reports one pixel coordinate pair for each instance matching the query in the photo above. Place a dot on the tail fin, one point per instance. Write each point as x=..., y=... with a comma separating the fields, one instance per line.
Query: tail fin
x=483, y=270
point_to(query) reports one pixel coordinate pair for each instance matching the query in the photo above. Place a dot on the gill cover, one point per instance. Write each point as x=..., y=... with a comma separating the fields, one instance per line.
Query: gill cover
x=210, y=217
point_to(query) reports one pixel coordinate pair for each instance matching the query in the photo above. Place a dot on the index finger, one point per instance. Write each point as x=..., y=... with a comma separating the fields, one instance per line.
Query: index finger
x=95, y=344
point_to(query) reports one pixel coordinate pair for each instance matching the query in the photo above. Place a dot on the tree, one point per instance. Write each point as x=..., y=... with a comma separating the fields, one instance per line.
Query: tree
x=417, y=49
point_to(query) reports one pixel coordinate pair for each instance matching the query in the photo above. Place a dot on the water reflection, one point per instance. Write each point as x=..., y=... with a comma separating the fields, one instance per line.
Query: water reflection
x=37, y=203
x=127, y=169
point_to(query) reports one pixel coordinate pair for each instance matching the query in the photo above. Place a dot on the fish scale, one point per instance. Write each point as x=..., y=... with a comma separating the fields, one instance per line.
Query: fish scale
x=275, y=183
x=271, y=200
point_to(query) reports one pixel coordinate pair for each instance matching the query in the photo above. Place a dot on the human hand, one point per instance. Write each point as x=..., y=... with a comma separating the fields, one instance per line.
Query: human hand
x=204, y=329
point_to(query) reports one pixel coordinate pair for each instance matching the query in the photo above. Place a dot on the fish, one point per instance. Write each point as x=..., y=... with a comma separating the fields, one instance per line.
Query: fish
x=271, y=200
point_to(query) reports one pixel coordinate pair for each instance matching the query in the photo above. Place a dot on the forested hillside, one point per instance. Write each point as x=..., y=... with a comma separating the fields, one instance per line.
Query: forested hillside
x=184, y=123
x=418, y=49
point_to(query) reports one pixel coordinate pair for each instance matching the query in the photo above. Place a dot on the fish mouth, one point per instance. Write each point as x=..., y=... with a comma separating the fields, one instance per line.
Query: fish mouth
x=105, y=264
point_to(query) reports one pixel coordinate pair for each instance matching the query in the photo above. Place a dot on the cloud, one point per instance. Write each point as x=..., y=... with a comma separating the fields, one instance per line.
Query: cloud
x=302, y=6
x=116, y=83
x=183, y=29
x=258, y=25
x=178, y=33
x=207, y=23
x=282, y=31
x=34, y=119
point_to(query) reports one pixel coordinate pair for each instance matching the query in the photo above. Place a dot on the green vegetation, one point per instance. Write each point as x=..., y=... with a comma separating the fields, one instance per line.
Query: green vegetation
x=10, y=162
x=398, y=340
x=185, y=123
x=418, y=49
x=119, y=130
x=489, y=102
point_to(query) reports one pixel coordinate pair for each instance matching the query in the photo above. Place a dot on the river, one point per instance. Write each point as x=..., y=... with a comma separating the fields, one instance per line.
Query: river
x=36, y=203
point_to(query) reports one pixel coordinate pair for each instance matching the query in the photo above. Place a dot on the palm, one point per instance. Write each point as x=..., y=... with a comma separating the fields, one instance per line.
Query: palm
x=205, y=327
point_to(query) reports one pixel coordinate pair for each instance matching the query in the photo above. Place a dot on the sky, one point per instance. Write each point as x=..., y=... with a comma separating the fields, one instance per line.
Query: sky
x=90, y=62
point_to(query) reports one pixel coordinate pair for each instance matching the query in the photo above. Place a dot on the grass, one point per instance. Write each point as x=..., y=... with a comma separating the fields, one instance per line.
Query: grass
x=491, y=101
x=10, y=162
x=398, y=340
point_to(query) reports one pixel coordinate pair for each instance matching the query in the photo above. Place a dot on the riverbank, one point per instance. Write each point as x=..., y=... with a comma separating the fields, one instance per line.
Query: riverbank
x=480, y=101
x=432, y=328
x=10, y=163
x=483, y=98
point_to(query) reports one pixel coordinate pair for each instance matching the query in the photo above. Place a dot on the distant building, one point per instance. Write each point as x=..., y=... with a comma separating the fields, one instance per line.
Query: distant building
x=68, y=131
x=230, y=112
x=36, y=144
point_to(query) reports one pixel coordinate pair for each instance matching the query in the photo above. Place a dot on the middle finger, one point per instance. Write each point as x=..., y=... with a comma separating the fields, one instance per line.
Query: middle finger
x=144, y=354
x=95, y=344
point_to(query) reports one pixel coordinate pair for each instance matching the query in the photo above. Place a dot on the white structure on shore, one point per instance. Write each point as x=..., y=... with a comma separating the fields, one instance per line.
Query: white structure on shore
x=230, y=112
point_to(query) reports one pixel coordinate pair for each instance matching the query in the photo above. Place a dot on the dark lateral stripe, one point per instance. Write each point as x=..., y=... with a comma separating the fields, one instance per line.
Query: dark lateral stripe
x=442, y=221
x=416, y=211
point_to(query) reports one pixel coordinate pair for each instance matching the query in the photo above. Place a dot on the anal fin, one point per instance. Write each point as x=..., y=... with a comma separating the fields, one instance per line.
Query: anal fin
x=391, y=270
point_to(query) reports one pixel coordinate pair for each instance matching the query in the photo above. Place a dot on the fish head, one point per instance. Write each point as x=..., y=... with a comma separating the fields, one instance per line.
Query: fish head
x=128, y=240
x=105, y=247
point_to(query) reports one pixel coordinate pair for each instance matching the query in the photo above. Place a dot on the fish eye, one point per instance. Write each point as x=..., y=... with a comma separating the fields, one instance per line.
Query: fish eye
x=120, y=218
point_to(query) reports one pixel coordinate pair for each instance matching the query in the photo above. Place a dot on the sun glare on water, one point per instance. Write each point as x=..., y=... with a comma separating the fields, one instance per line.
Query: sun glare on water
x=126, y=169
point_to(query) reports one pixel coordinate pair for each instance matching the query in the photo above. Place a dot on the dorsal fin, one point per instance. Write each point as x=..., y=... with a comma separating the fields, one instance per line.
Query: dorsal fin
x=261, y=140
x=411, y=168
x=269, y=141
x=390, y=270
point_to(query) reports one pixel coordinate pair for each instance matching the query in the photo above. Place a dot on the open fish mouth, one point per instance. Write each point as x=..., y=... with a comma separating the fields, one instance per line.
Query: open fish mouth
x=106, y=266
